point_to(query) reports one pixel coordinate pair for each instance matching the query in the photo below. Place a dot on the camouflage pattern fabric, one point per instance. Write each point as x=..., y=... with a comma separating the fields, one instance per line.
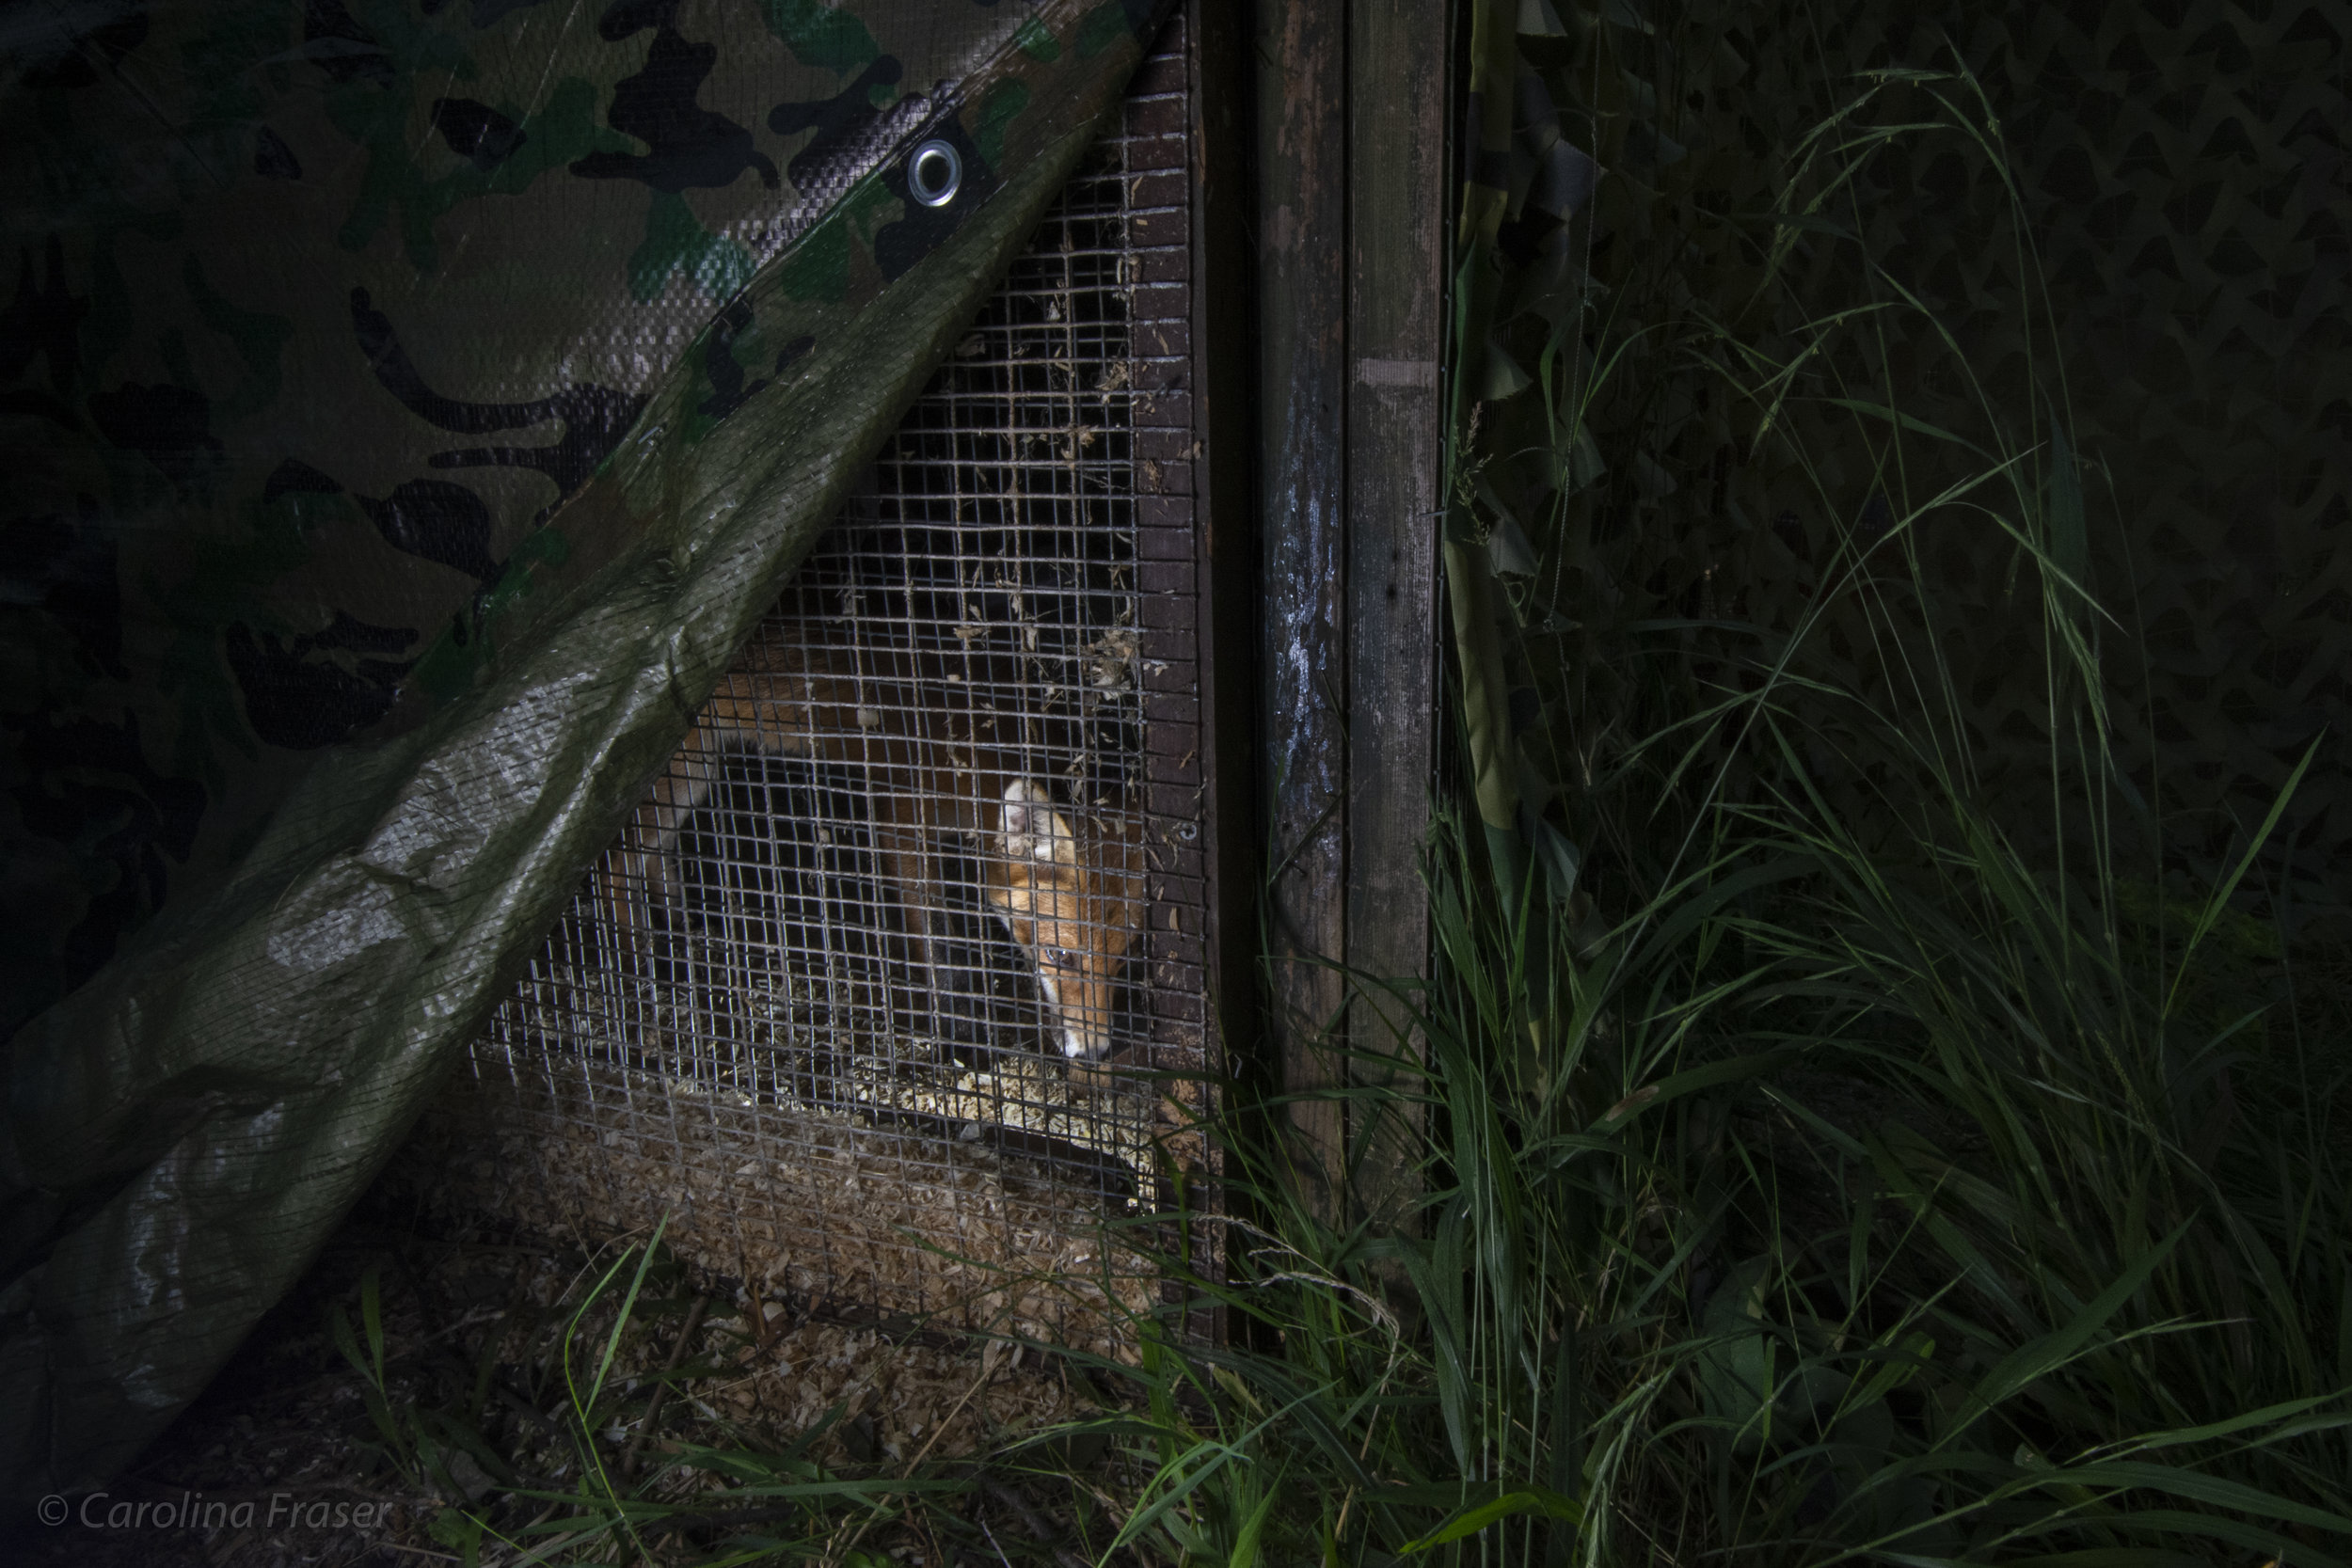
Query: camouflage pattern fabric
x=409, y=406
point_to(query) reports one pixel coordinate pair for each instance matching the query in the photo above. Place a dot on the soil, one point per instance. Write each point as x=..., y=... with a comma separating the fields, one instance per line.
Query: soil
x=281, y=1462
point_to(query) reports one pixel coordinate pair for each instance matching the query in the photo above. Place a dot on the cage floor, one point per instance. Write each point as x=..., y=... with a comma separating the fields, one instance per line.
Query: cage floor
x=805, y=1208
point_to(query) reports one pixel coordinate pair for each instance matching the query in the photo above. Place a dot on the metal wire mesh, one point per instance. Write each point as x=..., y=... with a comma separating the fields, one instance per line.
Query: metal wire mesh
x=885, y=997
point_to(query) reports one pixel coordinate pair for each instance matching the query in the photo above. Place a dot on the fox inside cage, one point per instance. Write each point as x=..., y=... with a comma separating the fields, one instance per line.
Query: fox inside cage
x=900, y=907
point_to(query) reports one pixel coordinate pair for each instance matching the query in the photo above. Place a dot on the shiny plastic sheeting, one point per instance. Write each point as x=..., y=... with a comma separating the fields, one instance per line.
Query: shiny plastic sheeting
x=409, y=407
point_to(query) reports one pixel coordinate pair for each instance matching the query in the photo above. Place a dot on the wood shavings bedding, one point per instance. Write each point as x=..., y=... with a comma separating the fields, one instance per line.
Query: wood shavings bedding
x=802, y=1205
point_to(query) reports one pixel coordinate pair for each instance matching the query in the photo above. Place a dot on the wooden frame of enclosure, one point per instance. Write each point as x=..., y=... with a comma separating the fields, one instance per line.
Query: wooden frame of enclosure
x=1322, y=243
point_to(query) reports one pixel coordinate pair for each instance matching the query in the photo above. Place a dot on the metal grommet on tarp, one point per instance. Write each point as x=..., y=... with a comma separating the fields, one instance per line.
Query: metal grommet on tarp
x=934, y=173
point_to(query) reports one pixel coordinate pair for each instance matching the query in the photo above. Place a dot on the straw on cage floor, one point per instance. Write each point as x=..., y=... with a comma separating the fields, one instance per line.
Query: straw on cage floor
x=802, y=1205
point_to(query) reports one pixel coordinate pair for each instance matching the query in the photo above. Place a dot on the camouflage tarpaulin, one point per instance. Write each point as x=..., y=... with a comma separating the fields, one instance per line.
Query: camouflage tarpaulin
x=410, y=406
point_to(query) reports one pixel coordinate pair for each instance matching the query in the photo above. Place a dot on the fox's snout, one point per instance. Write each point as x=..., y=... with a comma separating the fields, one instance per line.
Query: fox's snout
x=1079, y=965
x=1085, y=1019
x=1071, y=911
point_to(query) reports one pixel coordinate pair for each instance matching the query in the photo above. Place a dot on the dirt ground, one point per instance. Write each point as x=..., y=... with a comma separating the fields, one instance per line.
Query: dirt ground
x=282, y=1462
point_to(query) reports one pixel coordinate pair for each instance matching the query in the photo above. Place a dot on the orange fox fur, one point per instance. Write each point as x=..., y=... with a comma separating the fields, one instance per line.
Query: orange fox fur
x=1069, y=889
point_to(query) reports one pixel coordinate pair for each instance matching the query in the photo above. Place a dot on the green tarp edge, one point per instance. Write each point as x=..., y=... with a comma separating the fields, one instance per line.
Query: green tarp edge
x=205, y=1110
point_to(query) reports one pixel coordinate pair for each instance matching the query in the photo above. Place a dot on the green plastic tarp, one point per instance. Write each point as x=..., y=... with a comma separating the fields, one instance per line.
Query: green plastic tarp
x=408, y=406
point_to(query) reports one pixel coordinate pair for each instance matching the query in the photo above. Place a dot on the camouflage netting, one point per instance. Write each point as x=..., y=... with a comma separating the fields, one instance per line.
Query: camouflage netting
x=408, y=408
x=2139, y=230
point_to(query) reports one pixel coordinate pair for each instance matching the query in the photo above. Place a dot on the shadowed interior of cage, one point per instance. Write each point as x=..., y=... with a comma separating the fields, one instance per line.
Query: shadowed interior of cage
x=864, y=1001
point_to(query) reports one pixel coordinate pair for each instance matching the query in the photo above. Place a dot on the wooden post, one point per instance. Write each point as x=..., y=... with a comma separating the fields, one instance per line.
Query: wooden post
x=1301, y=52
x=1350, y=208
x=1396, y=272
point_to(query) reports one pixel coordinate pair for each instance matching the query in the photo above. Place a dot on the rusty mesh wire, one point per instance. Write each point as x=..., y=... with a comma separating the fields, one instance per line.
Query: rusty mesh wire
x=884, y=998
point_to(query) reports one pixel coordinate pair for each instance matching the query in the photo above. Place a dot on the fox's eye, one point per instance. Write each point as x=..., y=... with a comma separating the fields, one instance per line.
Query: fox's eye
x=1062, y=958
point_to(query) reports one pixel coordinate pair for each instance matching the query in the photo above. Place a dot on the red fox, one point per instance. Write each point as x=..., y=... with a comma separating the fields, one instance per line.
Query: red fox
x=1069, y=889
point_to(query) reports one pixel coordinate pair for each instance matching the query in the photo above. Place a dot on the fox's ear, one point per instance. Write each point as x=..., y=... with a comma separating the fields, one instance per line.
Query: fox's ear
x=1033, y=829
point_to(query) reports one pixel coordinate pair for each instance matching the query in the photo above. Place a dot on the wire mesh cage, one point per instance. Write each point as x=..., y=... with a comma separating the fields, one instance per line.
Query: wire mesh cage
x=892, y=992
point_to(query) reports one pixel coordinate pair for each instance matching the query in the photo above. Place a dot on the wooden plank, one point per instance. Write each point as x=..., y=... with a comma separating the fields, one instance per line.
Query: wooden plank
x=1396, y=274
x=1302, y=55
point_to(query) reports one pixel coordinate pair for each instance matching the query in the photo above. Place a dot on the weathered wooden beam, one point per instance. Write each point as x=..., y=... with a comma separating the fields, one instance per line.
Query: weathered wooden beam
x=1396, y=287
x=1302, y=249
